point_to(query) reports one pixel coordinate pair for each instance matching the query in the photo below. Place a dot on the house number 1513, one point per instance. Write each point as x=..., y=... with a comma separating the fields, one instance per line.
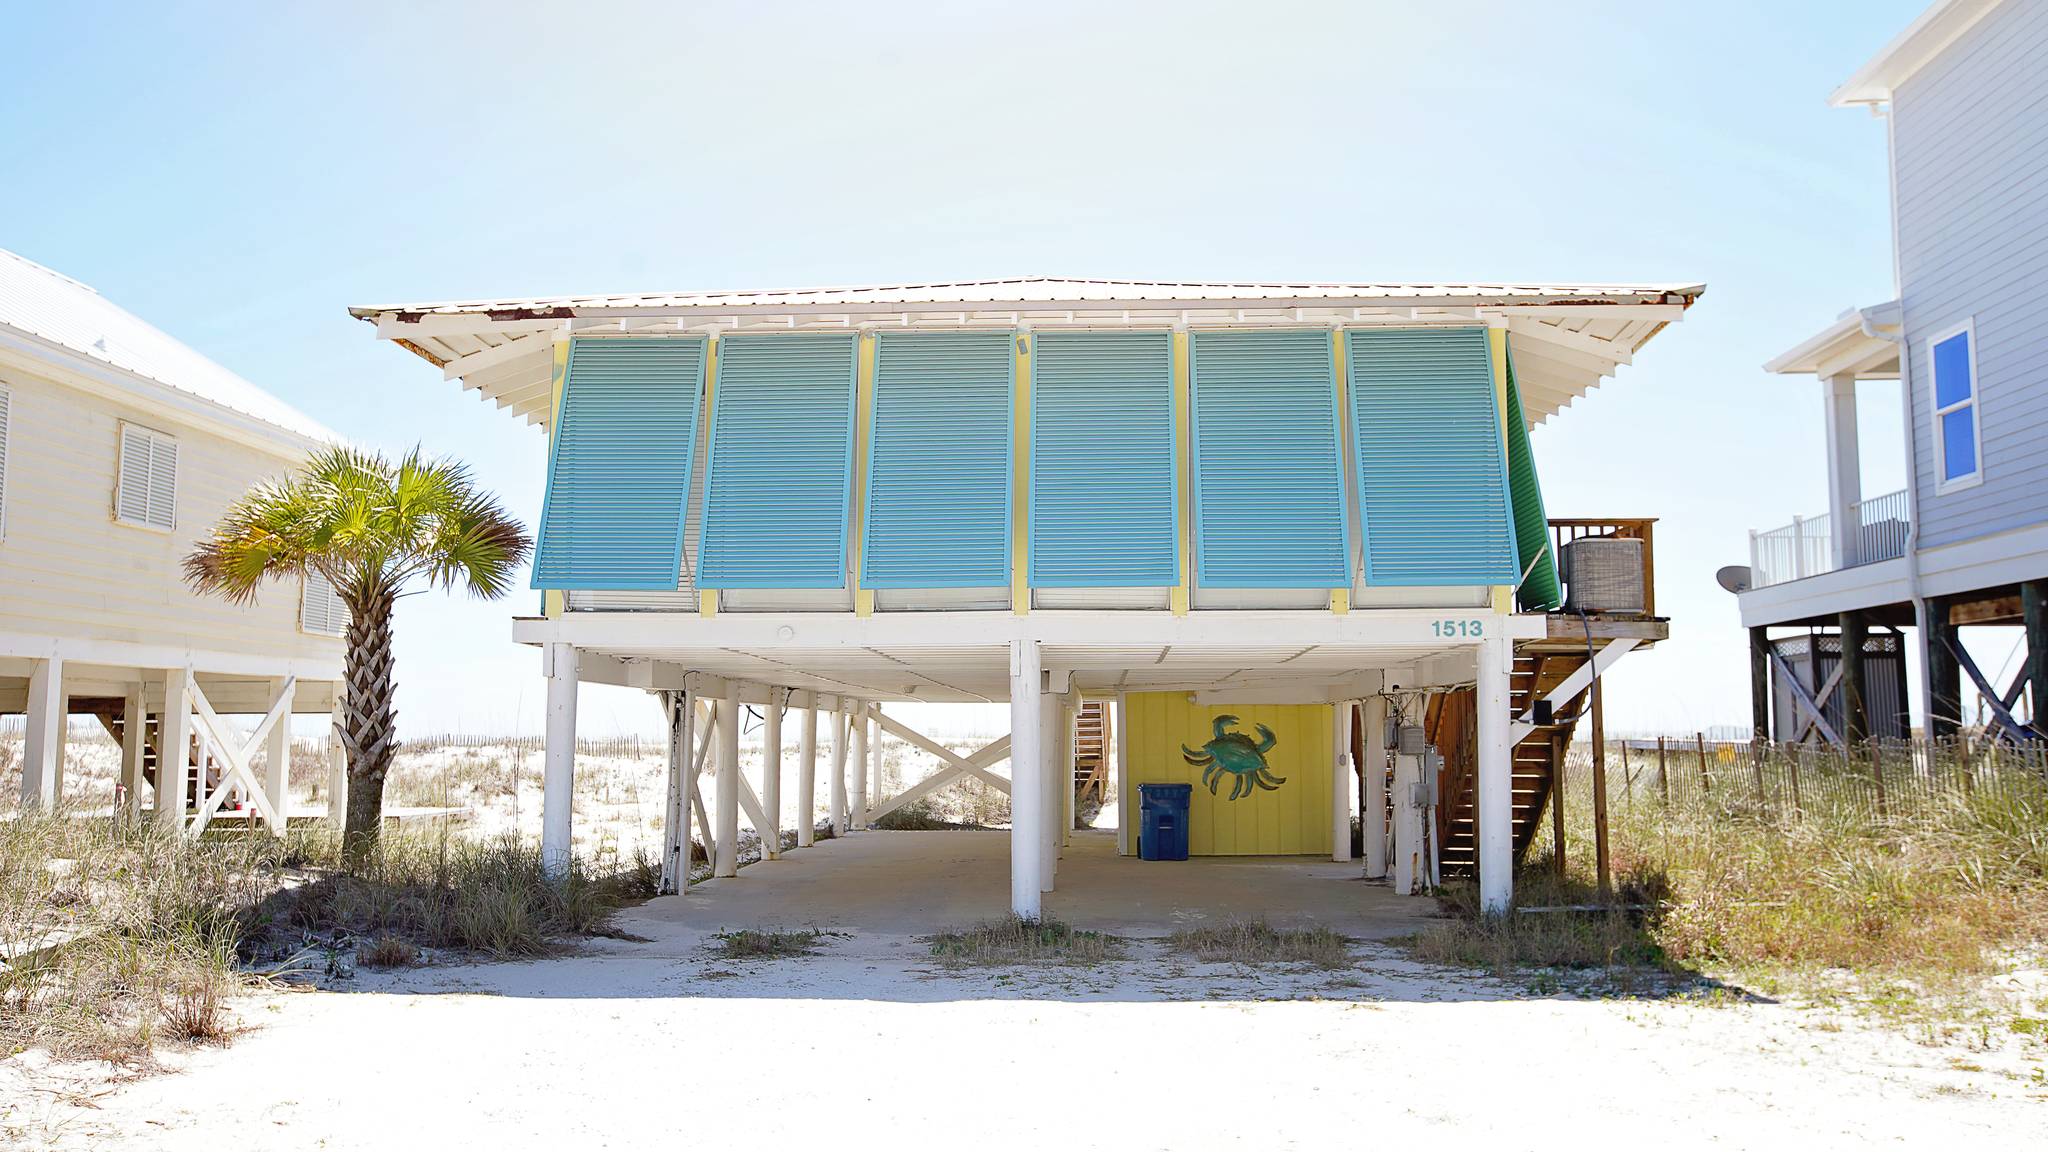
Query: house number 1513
x=1466, y=628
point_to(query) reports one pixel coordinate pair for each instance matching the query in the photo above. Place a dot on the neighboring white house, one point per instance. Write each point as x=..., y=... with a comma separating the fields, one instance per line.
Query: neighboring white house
x=1966, y=541
x=119, y=447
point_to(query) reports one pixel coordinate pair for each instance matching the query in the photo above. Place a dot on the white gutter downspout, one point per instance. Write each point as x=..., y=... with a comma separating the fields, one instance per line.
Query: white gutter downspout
x=1913, y=593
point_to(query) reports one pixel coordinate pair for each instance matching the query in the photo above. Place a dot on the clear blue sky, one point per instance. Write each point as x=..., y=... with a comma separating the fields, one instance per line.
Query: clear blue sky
x=240, y=174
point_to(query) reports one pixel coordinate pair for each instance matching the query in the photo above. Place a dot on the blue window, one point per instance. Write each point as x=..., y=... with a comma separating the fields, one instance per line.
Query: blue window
x=1953, y=356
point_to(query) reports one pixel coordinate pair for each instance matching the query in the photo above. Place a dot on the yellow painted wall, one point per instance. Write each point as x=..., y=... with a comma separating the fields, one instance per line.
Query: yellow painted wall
x=1292, y=820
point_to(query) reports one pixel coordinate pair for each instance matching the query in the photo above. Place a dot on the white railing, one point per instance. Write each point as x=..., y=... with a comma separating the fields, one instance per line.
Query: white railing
x=1881, y=525
x=1806, y=547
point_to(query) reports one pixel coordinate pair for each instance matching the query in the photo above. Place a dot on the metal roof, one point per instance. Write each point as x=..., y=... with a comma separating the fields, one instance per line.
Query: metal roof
x=1568, y=337
x=1047, y=290
x=56, y=312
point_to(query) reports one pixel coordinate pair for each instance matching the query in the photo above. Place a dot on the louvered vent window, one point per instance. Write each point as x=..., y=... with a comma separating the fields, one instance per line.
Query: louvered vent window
x=321, y=610
x=146, y=493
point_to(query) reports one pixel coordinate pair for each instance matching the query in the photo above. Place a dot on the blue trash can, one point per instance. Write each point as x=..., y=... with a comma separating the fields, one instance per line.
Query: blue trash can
x=1163, y=821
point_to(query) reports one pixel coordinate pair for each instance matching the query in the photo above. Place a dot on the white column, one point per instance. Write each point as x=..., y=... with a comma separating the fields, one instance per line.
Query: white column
x=337, y=769
x=1408, y=862
x=1049, y=744
x=558, y=765
x=727, y=793
x=42, y=747
x=807, y=772
x=1070, y=723
x=1125, y=800
x=771, y=774
x=134, y=738
x=1027, y=791
x=1845, y=475
x=858, y=820
x=1496, y=777
x=836, y=787
x=679, y=712
x=1340, y=781
x=174, y=739
x=1375, y=816
x=277, y=753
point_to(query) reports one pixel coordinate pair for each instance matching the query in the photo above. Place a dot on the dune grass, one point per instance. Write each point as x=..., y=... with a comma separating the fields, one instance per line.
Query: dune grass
x=117, y=935
x=1000, y=943
x=767, y=944
x=1925, y=907
x=1255, y=942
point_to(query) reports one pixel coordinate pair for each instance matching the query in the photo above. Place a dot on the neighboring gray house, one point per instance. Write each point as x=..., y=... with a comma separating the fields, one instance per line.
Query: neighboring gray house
x=1966, y=542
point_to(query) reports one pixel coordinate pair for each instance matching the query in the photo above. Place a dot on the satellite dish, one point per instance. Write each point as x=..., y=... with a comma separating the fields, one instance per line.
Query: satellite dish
x=1734, y=578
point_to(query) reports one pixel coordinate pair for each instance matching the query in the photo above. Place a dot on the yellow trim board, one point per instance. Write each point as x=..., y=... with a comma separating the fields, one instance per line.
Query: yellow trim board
x=864, y=407
x=554, y=601
x=1183, y=592
x=1020, y=481
x=707, y=598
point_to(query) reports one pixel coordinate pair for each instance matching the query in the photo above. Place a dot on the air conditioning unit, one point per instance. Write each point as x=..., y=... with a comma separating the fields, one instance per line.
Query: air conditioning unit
x=1603, y=574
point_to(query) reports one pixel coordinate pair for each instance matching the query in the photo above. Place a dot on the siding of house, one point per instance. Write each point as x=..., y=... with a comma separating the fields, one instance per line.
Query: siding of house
x=1971, y=154
x=69, y=570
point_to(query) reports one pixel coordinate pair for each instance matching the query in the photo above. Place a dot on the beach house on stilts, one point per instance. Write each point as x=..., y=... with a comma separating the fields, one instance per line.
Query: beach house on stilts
x=1286, y=529
x=119, y=446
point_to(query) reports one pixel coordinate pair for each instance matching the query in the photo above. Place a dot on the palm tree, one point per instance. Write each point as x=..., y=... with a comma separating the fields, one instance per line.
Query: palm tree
x=377, y=531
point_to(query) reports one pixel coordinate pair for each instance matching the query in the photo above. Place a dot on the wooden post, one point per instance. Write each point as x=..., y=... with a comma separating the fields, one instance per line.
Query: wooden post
x=1606, y=880
x=807, y=773
x=134, y=741
x=1792, y=775
x=1706, y=781
x=1760, y=684
x=1663, y=777
x=2034, y=615
x=1557, y=783
x=337, y=765
x=1628, y=777
x=1944, y=673
x=771, y=774
x=1855, y=685
x=1877, y=771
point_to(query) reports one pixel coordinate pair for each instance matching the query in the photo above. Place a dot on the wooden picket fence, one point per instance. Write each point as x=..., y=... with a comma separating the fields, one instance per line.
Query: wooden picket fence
x=1882, y=781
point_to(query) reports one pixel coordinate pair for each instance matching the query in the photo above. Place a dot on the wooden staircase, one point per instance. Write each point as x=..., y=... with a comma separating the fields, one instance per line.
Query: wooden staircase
x=1091, y=752
x=111, y=713
x=1451, y=723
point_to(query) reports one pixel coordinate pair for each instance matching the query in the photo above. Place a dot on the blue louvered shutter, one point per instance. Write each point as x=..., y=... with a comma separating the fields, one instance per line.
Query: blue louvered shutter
x=1432, y=476
x=619, y=469
x=938, y=484
x=778, y=481
x=1104, y=506
x=1269, y=477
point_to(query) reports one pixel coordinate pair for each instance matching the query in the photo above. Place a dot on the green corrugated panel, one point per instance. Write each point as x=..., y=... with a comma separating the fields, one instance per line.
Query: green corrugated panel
x=1539, y=592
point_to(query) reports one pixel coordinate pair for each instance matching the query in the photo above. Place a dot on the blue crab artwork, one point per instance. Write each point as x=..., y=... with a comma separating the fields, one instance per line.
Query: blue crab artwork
x=1236, y=754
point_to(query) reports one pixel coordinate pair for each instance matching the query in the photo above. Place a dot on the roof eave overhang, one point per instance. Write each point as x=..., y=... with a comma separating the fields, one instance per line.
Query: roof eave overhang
x=1863, y=342
x=1910, y=51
